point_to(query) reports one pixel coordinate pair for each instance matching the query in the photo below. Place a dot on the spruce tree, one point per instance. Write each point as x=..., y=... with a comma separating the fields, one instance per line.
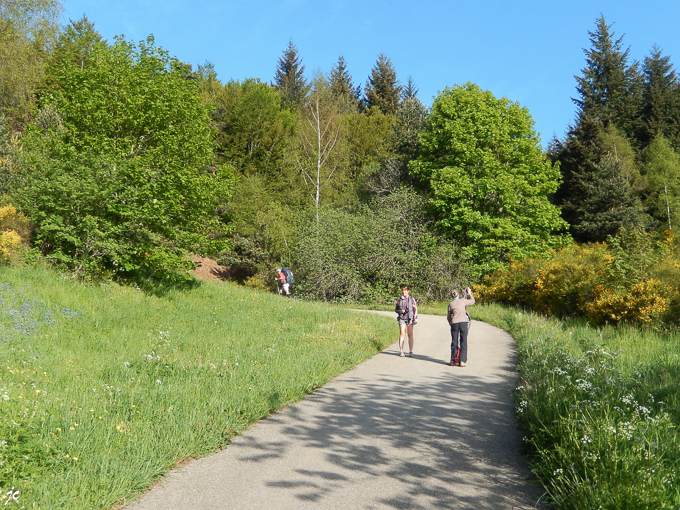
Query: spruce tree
x=382, y=88
x=410, y=91
x=341, y=86
x=608, y=92
x=289, y=79
x=607, y=204
x=660, y=111
x=609, y=86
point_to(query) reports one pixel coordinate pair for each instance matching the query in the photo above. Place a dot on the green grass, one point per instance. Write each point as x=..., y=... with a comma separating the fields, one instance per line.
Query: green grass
x=104, y=388
x=600, y=408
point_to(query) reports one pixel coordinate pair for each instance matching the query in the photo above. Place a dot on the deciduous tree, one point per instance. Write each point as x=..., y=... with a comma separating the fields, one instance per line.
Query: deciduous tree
x=117, y=177
x=661, y=171
x=488, y=178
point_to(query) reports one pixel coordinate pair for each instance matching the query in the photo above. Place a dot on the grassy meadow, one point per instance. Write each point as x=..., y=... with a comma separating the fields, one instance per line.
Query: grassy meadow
x=104, y=388
x=600, y=408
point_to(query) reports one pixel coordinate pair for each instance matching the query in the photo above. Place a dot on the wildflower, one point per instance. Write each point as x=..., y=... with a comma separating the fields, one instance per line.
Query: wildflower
x=158, y=381
x=557, y=472
x=586, y=440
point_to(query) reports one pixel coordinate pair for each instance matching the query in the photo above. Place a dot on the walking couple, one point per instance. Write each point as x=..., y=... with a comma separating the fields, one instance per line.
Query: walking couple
x=459, y=320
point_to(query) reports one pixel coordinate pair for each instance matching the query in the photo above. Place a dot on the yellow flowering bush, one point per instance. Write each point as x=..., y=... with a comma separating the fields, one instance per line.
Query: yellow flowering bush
x=10, y=240
x=645, y=302
x=606, y=283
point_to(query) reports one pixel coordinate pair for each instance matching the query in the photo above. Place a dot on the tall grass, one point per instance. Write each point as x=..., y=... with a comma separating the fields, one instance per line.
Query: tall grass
x=600, y=408
x=103, y=389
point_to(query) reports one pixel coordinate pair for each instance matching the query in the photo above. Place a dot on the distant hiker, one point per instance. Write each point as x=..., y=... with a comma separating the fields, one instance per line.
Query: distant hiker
x=459, y=321
x=285, y=276
x=407, y=315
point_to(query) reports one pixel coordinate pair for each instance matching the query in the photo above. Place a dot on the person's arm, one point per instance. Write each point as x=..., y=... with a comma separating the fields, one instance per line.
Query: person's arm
x=472, y=298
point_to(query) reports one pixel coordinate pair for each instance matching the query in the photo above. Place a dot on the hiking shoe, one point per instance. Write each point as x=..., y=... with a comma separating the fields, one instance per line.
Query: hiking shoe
x=401, y=354
x=410, y=354
x=463, y=364
x=451, y=364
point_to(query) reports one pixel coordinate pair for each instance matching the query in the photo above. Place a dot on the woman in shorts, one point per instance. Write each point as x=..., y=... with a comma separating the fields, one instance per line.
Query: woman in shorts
x=407, y=316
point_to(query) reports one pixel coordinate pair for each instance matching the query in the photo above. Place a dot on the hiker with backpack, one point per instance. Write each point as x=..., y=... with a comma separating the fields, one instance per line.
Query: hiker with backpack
x=285, y=276
x=407, y=316
x=459, y=320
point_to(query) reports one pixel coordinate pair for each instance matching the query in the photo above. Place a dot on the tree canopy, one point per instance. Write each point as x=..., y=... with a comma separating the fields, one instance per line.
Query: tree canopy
x=487, y=177
x=117, y=168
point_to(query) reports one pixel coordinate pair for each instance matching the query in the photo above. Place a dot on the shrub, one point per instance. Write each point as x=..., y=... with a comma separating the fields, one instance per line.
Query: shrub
x=12, y=225
x=629, y=279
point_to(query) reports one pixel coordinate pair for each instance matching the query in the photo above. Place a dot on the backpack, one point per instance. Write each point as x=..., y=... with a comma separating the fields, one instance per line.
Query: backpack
x=290, y=279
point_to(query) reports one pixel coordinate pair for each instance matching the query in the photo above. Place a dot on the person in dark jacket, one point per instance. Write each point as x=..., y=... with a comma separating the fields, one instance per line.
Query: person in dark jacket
x=407, y=315
x=458, y=320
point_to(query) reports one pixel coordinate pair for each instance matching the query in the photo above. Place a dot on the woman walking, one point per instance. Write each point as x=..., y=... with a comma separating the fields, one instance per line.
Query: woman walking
x=458, y=320
x=407, y=316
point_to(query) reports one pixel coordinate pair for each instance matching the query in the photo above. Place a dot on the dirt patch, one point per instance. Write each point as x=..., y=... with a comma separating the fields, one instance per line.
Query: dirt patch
x=208, y=269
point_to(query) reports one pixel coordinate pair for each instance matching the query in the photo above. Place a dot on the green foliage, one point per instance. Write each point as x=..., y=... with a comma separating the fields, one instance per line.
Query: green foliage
x=253, y=128
x=609, y=86
x=105, y=389
x=599, y=409
x=630, y=279
x=342, y=87
x=366, y=255
x=27, y=29
x=660, y=100
x=607, y=204
x=289, y=79
x=410, y=120
x=487, y=177
x=661, y=171
x=382, y=89
x=367, y=139
x=117, y=178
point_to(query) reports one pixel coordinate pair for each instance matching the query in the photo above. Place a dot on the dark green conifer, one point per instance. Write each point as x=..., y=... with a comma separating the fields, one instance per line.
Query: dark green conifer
x=382, y=88
x=660, y=112
x=289, y=79
x=608, y=93
x=341, y=86
x=606, y=204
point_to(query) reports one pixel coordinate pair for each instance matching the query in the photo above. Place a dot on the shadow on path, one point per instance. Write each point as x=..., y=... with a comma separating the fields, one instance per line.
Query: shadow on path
x=395, y=433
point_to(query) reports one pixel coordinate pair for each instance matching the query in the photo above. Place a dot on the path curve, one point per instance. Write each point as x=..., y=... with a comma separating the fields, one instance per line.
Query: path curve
x=393, y=433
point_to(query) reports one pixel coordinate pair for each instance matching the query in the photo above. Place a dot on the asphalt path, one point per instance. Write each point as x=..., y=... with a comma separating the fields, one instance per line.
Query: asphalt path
x=394, y=432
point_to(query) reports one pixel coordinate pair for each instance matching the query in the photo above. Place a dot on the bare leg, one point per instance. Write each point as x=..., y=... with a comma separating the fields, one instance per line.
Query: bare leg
x=402, y=334
x=409, y=329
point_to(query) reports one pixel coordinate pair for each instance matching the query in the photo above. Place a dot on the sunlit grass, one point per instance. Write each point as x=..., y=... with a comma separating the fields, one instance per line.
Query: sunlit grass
x=104, y=388
x=600, y=408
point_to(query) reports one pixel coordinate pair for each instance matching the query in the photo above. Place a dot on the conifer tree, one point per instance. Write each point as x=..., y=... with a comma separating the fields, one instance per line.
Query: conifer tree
x=607, y=96
x=341, y=86
x=607, y=203
x=289, y=79
x=660, y=112
x=410, y=91
x=382, y=88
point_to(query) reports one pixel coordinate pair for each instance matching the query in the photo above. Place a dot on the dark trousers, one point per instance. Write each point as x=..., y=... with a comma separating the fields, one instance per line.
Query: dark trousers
x=459, y=334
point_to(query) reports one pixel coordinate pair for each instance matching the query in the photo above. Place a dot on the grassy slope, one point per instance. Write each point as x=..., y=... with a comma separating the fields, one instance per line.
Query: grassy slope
x=103, y=389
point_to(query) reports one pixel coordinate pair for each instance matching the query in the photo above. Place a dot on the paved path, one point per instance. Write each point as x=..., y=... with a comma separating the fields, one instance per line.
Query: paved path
x=394, y=432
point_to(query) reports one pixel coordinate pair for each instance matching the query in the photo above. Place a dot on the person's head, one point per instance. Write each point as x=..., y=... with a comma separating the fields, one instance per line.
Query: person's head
x=454, y=294
x=405, y=290
x=278, y=270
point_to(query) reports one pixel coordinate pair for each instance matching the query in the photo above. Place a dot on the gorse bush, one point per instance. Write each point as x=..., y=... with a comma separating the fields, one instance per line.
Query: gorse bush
x=12, y=225
x=630, y=279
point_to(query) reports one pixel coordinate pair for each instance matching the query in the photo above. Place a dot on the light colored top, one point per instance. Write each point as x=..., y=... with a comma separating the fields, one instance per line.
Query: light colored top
x=456, y=312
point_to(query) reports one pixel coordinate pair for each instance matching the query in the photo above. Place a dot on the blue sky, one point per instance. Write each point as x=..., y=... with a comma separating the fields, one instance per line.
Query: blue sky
x=527, y=51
